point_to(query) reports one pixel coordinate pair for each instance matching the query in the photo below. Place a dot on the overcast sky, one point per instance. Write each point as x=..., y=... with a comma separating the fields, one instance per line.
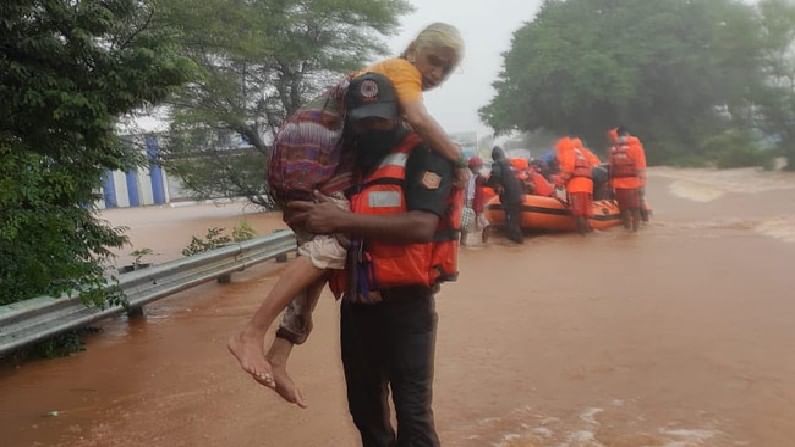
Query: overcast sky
x=487, y=27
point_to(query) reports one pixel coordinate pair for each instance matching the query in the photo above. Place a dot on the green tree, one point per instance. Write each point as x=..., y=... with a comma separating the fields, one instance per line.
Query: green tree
x=260, y=61
x=675, y=72
x=777, y=97
x=68, y=70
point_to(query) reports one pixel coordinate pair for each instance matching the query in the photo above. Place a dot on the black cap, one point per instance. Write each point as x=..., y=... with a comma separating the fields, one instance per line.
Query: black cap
x=371, y=95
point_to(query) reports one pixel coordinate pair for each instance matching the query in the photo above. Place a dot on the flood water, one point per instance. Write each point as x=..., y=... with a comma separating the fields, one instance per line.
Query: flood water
x=680, y=336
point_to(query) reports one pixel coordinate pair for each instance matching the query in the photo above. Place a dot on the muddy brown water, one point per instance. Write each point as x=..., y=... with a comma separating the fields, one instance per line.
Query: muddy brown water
x=166, y=230
x=679, y=336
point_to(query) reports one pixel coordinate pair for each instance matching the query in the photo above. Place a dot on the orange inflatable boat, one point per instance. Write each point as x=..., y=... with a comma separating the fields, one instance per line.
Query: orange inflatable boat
x=541, y=213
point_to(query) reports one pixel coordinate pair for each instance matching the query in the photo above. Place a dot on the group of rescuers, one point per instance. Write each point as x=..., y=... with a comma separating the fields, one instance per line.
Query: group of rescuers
x=572, y=168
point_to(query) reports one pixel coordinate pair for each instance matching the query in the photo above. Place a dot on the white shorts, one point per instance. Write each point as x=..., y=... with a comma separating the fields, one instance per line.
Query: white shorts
x=324, y=250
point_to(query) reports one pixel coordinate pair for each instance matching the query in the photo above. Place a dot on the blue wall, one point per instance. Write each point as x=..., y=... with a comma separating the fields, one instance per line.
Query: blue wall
x=109, y=190
x=132, y=187
x=155, y=170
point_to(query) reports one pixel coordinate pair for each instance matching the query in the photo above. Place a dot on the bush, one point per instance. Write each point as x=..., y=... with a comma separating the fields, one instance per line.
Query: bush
x=243, y=232
x=61, y=345
x=733, y=148
x=216, y=238
x=788, y=152
x=739, y=158
x=140, y=254
x=769, y=164
x=689, y=161
x=68, y=70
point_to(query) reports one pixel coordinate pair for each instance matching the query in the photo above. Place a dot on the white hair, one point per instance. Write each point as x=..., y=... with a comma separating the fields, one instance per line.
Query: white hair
x=439, y=35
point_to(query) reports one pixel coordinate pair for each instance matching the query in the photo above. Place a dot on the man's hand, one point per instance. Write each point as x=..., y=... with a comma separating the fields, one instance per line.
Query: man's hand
x=321, y=217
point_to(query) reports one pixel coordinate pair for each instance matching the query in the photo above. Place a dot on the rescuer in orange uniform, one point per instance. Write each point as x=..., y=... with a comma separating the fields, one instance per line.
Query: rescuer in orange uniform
x=575, y=169
x=628, y=176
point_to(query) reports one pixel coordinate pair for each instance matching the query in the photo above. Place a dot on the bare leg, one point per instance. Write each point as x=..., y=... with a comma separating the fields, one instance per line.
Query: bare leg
x=247, y=346
x=281, y=348
x=284, y=385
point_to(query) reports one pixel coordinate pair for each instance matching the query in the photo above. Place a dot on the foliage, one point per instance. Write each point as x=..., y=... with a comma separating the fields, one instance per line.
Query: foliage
x=243, y=232
x=140, y=254
x=68, y=70
x=216, y=237
x=776, y=98
x=61, y=345
x=738, y=157
x=674, y=72
x=254, y=74
x=733, y=149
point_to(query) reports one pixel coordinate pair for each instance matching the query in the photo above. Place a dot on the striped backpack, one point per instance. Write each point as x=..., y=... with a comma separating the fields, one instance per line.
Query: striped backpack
x=307, y=151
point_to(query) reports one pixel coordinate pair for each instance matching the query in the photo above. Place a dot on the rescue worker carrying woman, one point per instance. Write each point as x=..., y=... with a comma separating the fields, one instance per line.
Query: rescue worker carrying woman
x=403, y=225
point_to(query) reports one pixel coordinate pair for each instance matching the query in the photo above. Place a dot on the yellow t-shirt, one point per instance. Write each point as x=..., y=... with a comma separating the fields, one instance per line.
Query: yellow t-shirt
x=405, y=77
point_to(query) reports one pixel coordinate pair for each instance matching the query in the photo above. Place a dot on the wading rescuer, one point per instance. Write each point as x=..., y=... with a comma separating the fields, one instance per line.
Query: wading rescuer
x=598, y=173
x=404, y=228
x=628, y=176
x=504, y=181
x=576, y=171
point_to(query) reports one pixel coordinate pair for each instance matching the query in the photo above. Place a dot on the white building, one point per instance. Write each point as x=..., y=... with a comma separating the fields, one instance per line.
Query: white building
x=140, y=186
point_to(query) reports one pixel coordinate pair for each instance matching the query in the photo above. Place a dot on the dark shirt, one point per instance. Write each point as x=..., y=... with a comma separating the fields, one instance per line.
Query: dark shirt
x=502, y=175
x=429, y=181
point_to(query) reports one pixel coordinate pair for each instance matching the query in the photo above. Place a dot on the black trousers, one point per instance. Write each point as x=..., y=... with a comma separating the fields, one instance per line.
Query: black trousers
x=513, y=220
x=390, y=345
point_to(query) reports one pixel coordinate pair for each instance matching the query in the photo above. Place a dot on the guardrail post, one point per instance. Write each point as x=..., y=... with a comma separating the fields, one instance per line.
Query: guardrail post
x=225, y=279
x=282, y=258
x=135, y=312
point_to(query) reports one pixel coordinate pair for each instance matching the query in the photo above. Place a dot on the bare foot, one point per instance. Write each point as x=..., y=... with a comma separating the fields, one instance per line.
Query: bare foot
x=285, y=386
x=249, y=352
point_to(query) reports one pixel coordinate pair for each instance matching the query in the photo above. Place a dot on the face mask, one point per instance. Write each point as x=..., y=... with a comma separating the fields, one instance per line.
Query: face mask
x=373, y=145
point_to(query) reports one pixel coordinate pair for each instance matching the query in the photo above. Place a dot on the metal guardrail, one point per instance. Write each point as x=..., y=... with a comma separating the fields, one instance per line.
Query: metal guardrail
x=29, y=321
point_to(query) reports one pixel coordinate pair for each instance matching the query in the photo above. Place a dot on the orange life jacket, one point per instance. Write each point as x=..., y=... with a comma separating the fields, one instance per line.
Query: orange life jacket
x=621, y=163
x=391, y=265
x=541, y=187
x=519, y=164
x=582, y=166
